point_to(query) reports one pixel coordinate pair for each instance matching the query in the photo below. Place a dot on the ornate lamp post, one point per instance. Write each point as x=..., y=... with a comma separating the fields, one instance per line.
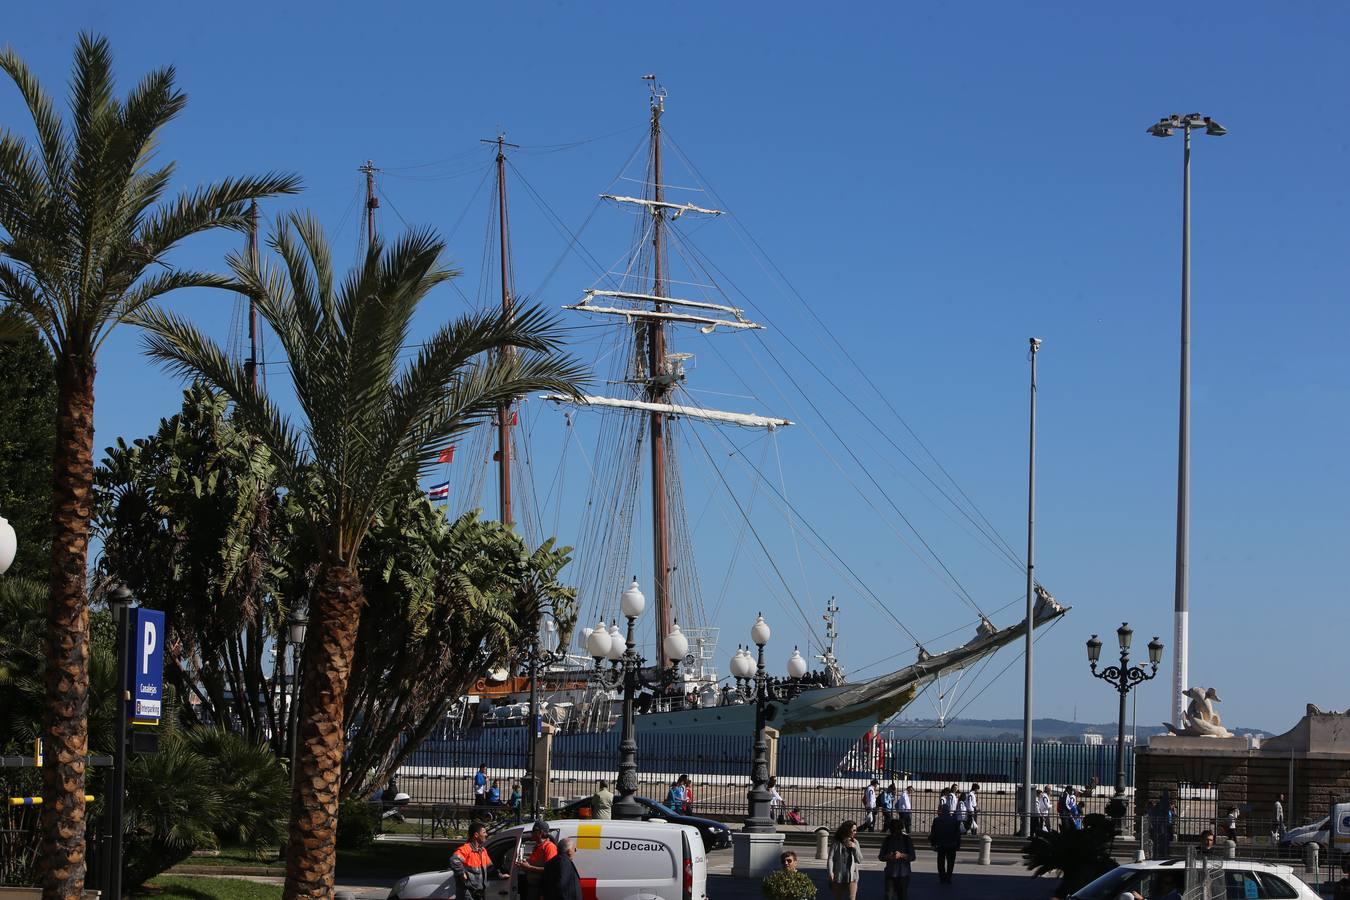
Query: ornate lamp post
x=1124, y=678
x=755, y=686
x=536, y=656
x=627, y=668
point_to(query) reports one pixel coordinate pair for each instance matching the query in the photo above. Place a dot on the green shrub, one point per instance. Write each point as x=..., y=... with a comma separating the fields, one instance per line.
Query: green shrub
x=786, y=885
x=357, y=823
x=253, y=787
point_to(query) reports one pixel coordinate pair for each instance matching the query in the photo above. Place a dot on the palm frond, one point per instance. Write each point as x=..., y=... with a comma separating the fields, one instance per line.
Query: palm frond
x=162, y=283
x=220, y=205
x=187, y=352
x=51, y=134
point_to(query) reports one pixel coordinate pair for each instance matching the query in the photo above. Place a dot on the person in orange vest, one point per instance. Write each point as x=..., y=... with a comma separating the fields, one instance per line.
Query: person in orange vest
x=472, y=865
x=533, y=865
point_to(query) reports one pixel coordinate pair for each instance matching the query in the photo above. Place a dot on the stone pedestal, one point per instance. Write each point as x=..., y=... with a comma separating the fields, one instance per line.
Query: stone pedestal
x=755, y=855
x=1182, y=743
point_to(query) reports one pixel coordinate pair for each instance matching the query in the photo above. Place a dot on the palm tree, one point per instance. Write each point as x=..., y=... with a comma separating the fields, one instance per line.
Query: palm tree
x=368, y=425
x=86, y=230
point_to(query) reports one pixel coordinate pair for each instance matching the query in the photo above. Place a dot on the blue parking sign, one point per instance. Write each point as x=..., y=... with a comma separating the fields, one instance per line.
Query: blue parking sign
x=147, y=660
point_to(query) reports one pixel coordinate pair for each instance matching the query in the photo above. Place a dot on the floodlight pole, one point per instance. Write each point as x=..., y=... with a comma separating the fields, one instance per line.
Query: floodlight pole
x=1181, y=659
x=1028, y=791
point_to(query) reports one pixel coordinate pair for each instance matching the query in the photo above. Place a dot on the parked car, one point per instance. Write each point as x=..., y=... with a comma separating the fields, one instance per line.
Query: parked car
x=716, y=835
x=620, y=859
x=1241, y=878
x=1315, y=833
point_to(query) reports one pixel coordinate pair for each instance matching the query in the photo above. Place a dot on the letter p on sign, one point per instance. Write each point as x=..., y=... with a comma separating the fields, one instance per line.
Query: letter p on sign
x=149, y=640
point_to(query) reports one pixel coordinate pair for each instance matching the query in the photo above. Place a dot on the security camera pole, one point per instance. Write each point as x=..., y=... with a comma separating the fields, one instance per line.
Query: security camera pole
x=1166, y=128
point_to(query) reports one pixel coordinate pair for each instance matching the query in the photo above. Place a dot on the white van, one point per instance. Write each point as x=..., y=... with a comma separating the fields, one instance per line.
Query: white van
x=616, y=859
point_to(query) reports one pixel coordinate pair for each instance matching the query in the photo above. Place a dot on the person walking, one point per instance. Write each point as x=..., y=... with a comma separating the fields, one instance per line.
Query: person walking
x=845, y=862
x=533, y=865
x=905, y=806
x=945, y=838
x=886, y=803
x=561, y=879
x=602, y=801
x=1230, y=829
x=494, y=794
x=897, y=852
x=517, y=798
x=1040, y=823
x=480, y=786
x=1279, y=818
x=948, y=799
x=1068, y=810
x=776, y=808
x=972, y=810
x=675, y=796
x=869, y=802
x=472, y=866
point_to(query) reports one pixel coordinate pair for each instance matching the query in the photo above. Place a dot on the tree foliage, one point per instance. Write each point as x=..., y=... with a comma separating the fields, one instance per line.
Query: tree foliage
x=86, y=231
x=1078, y=854
x=191, y=521
x=27, y=439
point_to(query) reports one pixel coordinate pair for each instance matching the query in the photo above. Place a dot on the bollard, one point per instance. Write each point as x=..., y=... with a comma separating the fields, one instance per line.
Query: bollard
x=1310, y=861
x=1230, y=849
x=986, y=850
x=822, y=843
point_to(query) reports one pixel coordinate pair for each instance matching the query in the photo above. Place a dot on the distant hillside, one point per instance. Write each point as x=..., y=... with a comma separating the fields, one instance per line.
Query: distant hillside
x=1011, y=729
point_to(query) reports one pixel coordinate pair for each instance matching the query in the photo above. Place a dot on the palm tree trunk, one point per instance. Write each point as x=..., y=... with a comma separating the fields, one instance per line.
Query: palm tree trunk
x=330, y=642
x=65, y=727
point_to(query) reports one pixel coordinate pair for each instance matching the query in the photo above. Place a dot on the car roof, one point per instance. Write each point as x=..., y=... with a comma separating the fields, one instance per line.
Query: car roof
x=636, y=824
x=1254, y=865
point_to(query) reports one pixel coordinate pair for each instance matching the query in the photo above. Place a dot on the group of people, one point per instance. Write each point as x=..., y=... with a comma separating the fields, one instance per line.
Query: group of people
x=844, y=865
x=680, y=797
x=487, y=791
x=548, y=872
x=1068, y=808
x=894, y=804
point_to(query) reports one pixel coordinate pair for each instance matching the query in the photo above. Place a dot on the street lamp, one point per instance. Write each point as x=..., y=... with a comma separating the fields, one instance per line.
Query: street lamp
x=536, y=656
x=627, y=669
x=755, y=686
x=1167, y=127
x=9, y=545
x=297, y=623
x=1124, y=678
x=119, y=603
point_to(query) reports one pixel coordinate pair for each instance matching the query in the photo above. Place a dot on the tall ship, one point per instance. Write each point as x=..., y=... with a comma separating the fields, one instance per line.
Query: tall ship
x=647, y=414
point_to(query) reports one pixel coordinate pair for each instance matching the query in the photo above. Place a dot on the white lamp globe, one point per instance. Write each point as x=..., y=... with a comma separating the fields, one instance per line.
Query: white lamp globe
x=632, y=603
x=9, y=545
x=677, y=645
x=743, y=664
x=616, y=642
x=597, y=642
x=796, y=665
x=759, y=632
x=734, y=664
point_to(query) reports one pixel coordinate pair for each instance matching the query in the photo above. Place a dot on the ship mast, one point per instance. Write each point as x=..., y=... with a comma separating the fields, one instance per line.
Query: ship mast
x=372, y=202
x=508, y=306
x=658, y=384
x=251, y=364
x=654, y=373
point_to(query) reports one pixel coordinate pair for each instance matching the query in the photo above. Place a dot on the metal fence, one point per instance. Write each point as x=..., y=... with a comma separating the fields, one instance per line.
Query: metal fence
x=822, y=778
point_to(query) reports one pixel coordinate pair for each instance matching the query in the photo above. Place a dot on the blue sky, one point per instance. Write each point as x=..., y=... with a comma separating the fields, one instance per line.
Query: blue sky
x=939, y=181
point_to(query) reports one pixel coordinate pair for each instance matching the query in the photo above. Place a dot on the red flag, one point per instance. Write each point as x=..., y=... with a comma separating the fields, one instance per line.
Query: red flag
x=447, y=455
x=515, y=417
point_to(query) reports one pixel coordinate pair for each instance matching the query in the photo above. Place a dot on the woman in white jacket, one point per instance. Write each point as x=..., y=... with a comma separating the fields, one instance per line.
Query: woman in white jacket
x=845, y=862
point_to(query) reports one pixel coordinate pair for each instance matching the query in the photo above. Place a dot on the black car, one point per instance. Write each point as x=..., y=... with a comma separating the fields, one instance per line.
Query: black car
x=716, y=836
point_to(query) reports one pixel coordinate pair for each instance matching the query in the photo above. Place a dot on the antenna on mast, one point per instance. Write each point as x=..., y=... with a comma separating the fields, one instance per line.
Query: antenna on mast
x=658, y=92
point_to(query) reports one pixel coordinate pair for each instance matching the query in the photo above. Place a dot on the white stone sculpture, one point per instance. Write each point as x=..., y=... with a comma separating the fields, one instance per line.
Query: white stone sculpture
x=1201, y=719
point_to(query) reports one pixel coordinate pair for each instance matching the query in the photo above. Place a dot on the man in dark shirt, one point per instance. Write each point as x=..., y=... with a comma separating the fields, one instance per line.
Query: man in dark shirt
x=945, y=836
x=561, y=881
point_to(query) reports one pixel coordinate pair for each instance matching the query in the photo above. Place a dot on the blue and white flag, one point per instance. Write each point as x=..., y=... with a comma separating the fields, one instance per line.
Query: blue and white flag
x=439, y=491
